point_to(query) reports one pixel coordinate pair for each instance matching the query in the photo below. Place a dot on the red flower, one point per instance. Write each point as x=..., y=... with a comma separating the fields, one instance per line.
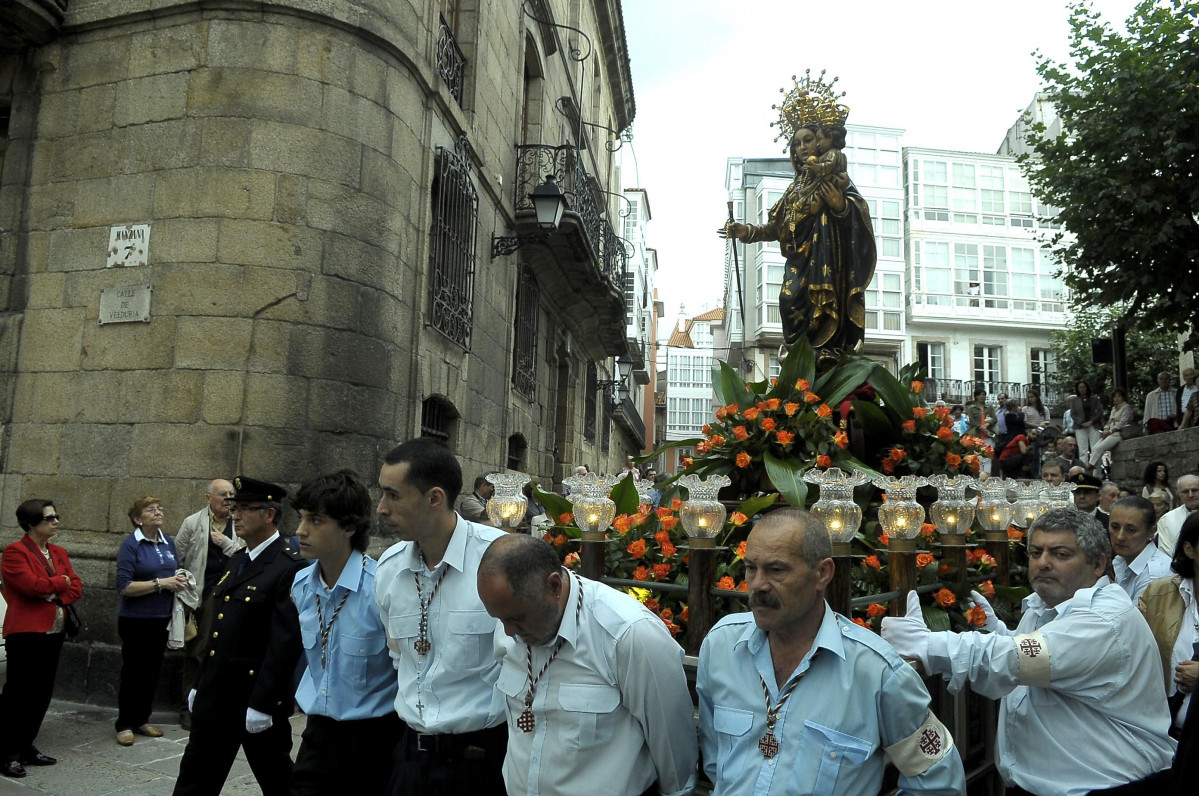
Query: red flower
x=790, y=408
x=976, y=616
x=872, y=562
x=637, y=548
x=884, y=539
x=751, y=413
x=720, y=413
x=741, y=433
x=924, y=559
x=743, y=459
x=684, y=614
x=703, y=447
x=661, y=571
x=952, y=460
x=927, y=529
x=663, y=512
x=662, y=537
x=941, y=412
x=687, y=461
x=742, y=586
x=726, y=583
x=738, y=519
x=559, y=540
x=566, y=518
x=669, y=522
x=707, y=429
x=640, y=573
x=768, y=423
x=986, y=589
x=944, y=434
x=945, y=598
x=784, y=437
x=918, y=412
x=651, y=604
x=716, y=440
x=875, y=610
x=909, y=426
x=898, y=454
x=888, y=466
x=823, y=461
x=622, y=523
x=676, y=504
x=803, y=385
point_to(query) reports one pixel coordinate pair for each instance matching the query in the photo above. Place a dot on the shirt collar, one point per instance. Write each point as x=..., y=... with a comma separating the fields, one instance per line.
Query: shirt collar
x=455, y=551
x=141, y=537
x=253, y=554
x=828, y=636
x=350, y=577
x=1139, y=563
x=568, y=628
x=1035, y=604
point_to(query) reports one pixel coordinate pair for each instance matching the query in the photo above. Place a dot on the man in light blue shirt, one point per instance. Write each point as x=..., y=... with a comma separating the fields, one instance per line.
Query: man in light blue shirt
x=794, y=698
x=1083, y=708
x=348, y=685
x=1136, y=560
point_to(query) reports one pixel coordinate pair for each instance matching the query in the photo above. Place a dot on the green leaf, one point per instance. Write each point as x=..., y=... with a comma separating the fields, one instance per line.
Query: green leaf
x=874, y=422
x=849, y=374
x=845, y=458
x=624, y=495
x=787, y=477
x=555, y=505
x=753, y=505
x=936, y=618
x=730, y=389
x=897, y=398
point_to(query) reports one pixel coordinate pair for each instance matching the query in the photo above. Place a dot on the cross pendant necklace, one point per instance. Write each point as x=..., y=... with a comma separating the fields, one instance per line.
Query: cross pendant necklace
x=768, y=744
x=527, y=722
x=422, y=645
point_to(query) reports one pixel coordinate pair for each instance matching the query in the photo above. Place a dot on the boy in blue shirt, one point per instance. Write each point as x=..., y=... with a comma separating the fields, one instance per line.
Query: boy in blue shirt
x=348, y=686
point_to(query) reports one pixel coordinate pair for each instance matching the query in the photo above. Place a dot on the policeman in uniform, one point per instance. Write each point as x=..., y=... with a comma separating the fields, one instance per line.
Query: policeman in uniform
x=244, y=692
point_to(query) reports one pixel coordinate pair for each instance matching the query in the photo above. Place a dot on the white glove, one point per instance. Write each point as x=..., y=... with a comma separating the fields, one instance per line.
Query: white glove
x=993, y=624
x=191, y=699
x=908, y=634
x=257, y=721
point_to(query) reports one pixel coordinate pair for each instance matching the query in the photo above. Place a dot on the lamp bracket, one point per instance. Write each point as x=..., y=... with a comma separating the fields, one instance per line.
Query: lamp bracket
x=502, y=246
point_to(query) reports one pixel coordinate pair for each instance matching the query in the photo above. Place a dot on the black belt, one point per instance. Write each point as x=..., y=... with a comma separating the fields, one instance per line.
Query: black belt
x=477, y=745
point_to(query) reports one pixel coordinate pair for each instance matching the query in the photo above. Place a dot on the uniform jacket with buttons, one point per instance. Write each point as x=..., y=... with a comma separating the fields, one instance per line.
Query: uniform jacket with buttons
x=254, y=645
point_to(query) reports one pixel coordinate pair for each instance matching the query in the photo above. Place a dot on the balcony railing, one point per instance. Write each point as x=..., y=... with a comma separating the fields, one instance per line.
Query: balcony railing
x=451, y=63
x=628, y=416
x=957, y=391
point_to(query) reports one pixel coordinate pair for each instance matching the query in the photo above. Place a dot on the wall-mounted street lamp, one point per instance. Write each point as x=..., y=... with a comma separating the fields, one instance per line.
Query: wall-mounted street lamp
x=548, y=205
x=624, y=366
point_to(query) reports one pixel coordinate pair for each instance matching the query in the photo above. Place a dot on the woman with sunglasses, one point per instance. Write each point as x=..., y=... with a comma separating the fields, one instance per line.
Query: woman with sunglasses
x=38, y=581
x=147, y=582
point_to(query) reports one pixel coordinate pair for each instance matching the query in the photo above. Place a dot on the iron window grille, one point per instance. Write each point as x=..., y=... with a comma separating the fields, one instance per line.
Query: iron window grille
x=589, y=403
x=437, y=418
x=455, y=228
x=451, y=63
x=524, y=351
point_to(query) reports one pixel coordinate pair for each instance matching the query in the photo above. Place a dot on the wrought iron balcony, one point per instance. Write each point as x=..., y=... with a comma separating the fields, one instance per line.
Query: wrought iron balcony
x=627, y=416
x=582, y=264
x=29, y=23
x=451, y=63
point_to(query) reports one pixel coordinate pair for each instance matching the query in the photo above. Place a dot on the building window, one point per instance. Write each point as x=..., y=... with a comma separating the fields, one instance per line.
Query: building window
x=987, y=366
x=966, y=284
x=776, y=367
x=450, y=62
x=524, y=350
x=1021, y=202
x=990, y=177
x=589, y=404
x=455, y=222
x=517, y=447
x=1042, y=366
x=689, y=371
x=438, y=419
x=606, y=436
x=932, y=359
x=630, y=292
x=995, y=275
x=687, y=415
x=884, y=302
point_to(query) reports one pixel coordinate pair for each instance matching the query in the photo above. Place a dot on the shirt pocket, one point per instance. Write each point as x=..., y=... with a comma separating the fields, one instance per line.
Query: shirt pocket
x=823, y=750
x=402, y=630
x=512, y=683
x=356, y=653
x=470, y=640
x=588, y=714
x=731, y=725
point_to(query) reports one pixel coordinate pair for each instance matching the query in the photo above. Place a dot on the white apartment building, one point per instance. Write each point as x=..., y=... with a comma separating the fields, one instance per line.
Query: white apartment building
x=689, y=395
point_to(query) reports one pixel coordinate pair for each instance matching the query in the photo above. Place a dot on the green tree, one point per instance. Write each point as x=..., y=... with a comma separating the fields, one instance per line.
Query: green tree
x=1147, y=353
x=1125, y=169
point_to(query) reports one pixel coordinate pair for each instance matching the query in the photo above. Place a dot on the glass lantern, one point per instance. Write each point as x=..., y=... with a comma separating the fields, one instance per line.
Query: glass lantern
x=901, y=516
x=593, y=509
x=1058, y=497
x=506, y=508
x=836, y=506
x=1029, y=504
x=643, y=487
x=702, y=514
x=994, y=509
x=952, y=513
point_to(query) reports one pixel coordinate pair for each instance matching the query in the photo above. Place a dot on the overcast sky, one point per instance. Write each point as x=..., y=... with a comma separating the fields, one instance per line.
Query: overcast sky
x=954, y=74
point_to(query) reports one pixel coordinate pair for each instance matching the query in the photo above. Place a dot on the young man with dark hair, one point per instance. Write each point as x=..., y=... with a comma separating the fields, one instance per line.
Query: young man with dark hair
x=348, y=686
x=438, y=631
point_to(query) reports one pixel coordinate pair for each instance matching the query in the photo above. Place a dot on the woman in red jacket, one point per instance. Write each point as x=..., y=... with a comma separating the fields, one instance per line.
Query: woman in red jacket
x=38, y=580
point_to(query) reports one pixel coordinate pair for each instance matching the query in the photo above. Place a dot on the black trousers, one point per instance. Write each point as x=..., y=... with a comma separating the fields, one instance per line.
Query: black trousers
x=213, y=745
x=194, y=650
x=328, y=747
x=143, y=642
x=32, y=664
x=450, y=765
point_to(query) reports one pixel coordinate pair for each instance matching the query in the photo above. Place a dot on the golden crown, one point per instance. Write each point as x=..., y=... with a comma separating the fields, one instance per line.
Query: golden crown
x=811, y=102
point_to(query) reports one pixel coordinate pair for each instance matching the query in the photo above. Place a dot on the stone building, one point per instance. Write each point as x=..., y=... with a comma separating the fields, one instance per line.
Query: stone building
x=295, y=202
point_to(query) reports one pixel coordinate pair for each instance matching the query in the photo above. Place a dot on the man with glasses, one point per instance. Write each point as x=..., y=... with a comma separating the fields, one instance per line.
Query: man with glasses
x=1171, y=522
x=245, y=690
x=204, y=543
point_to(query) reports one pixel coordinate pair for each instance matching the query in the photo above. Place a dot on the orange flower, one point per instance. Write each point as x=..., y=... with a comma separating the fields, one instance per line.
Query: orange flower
x=742, y=586
x=707, y=429
x=918, y=412
x=741, y=433
x=945, y=598
x=872, y=562
x=703, y=446
x=662, y=537
x=927, y=529
x=651, y=604
x=666, y=615
x=732, y=409
x=559, y=540
x=987, y=560
x=716, y=440
x=944, y=434
x=790, y=408
x=884, y=539
x=637, y=548
x=952, y=460
x=673, y=628
x=924, y=559
x=811, y=398
x=888, y=466
x=875, y=610
x=751, y=413
x=1014, y=534
x=784, y=437
x=566, y=518
x=661, y=571
x=976, y=616
x=824, y=410
x=726, y=583
x=973, y=463
x=687, y=461
x=640, y=573
x=823, y=461
x=986, y=589
x=676, y=504
x=663, y=512
x=572, y=559
x=669, y=522
x=943, y=569
x=859, y=621
x=668, y=549
x=909, y=426
x=721, y=414
x=917, y=386
x=768, y=423
x=740, y=550
x=898, y=454
x=743, y=459
x=738, y=519
x=841, y=439
x=773, y=403
x=684, y=614
x=622, y=523
x=803, y=385
x=941, y=412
